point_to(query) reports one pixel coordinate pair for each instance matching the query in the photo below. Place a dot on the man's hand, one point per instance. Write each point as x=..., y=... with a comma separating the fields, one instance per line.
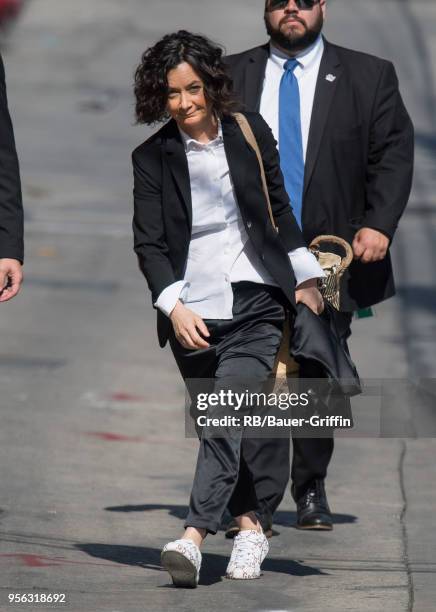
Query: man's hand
x=370, y=245
x=307, y=293
x=186, y=326
x=11, y=277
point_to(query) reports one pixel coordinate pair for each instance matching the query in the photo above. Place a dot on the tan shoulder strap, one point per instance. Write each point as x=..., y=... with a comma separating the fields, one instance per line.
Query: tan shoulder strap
x=251, y=139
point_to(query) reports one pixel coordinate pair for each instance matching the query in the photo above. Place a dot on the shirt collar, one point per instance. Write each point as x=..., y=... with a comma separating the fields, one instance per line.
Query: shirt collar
x=306, y=58
x=192, y=144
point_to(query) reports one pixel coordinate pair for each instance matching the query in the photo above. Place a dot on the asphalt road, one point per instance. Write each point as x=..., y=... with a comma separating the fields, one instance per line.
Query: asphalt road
x=95, y=470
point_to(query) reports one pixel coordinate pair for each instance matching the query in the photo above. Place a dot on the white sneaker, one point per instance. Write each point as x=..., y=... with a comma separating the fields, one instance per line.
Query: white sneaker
x=182, y=559
x=250, y=548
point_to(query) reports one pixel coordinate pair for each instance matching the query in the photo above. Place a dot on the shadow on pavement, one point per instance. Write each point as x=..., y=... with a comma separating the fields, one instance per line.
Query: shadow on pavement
x=283, y=518
x=213, y=568
x=426, y=141
x=289, y=518
x=419, y=298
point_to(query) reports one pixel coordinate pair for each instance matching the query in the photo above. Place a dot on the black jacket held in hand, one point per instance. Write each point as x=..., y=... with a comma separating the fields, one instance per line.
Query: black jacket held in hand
x=316, y=347
x=11, y=208
x=359, y=161
x=162, y=222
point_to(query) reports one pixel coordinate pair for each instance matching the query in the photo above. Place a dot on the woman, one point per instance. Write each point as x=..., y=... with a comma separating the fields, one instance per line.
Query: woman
x=220, y=275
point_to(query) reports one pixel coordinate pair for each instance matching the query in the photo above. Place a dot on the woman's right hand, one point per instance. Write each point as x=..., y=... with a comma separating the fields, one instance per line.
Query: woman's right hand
x=307, y=293
x=186, y=325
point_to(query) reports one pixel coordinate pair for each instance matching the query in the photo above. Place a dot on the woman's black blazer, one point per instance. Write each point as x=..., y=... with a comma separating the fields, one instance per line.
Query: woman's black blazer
x=163, y=211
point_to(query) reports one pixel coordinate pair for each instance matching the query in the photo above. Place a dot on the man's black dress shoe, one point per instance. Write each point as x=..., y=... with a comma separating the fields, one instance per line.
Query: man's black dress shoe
x=313, y=511
x=265, y=520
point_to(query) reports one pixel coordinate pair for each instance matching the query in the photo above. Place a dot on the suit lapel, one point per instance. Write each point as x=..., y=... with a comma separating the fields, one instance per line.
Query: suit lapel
x=254, y=76
x=178, y=164
x=325, y=90
x=236, y=149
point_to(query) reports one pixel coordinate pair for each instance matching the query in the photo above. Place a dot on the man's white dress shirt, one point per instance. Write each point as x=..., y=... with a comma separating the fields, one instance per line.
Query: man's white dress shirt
x=220, y=252
x=306, y=74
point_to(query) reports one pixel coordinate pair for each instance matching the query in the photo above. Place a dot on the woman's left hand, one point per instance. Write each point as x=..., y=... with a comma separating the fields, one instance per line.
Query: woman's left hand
x=307, y=293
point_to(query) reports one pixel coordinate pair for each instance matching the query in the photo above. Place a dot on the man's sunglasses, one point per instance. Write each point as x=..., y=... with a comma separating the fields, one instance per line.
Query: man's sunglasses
x=302, y=5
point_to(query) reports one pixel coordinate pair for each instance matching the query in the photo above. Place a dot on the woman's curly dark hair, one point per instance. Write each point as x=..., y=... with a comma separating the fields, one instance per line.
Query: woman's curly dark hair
x=205, y=57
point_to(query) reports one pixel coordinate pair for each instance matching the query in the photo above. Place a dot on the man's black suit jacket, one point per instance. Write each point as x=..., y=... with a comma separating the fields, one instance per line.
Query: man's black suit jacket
x=162, y=222
x=359, y=160
x=11, y=208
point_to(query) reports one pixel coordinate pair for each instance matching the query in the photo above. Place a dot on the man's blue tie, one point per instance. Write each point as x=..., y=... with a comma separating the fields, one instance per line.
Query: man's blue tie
x=290, y=139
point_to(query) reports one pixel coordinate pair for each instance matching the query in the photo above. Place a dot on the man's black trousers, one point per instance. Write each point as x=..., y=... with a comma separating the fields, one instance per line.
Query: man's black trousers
x=311, y=456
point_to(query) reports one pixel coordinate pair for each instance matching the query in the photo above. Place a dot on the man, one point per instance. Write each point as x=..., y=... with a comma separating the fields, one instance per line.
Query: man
x=346, y=148
x=11, y=208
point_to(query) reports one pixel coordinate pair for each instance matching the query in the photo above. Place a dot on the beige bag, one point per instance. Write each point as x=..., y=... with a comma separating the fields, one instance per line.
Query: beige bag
x=333, y=265
x=285, y=366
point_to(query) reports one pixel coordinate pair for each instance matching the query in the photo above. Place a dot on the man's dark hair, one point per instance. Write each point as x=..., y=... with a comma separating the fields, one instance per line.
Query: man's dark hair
x=205, y=57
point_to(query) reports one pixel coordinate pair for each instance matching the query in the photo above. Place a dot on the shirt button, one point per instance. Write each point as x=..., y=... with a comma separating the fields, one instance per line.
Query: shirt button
x=249, y=224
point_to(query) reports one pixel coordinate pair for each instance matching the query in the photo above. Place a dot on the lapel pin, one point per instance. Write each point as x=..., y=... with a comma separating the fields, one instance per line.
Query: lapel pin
x=330, y=78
